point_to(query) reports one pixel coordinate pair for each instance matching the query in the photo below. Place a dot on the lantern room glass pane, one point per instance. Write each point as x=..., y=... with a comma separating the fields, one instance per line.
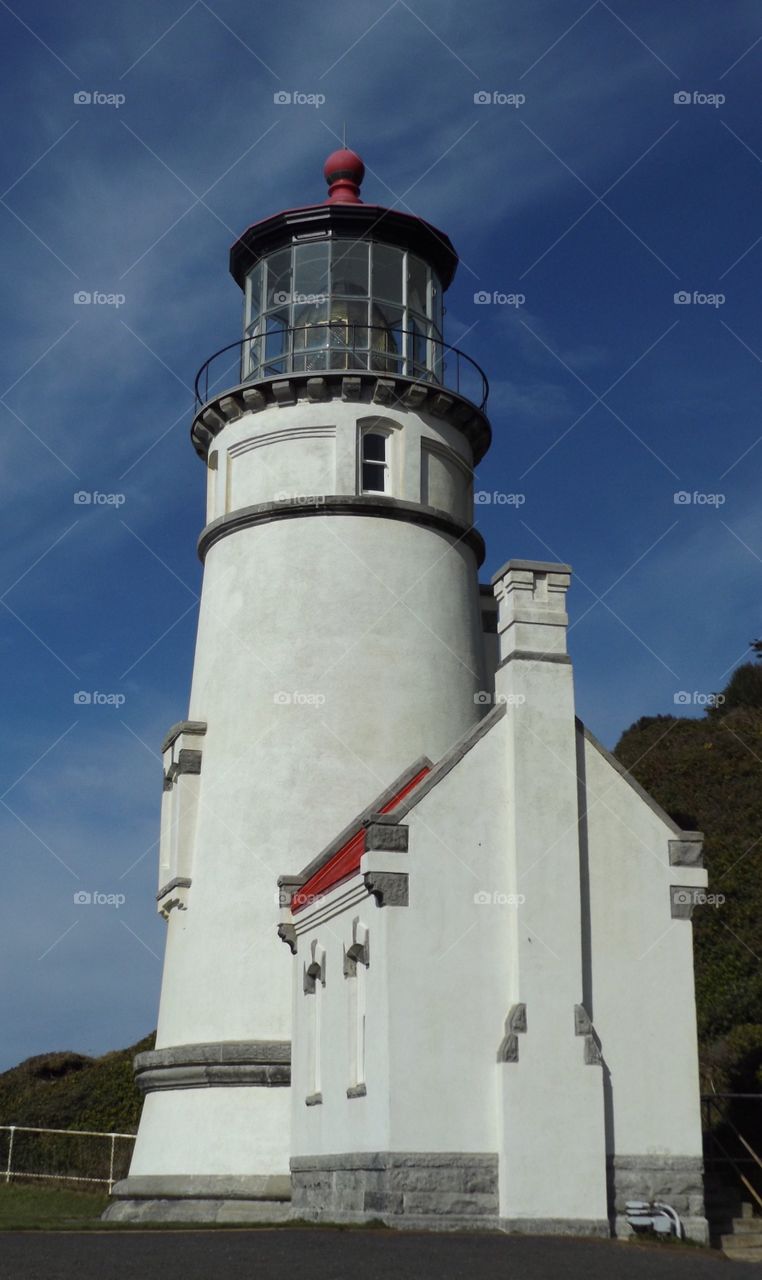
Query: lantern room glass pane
x=276, y=343
x=436, y=305
x=350, y=320
x=387, y=338
x=349, y=268
x=311, y=271
x=387, y=273
x=417, y=284
x=278, y=290
x=254, y=295
x=311, y=325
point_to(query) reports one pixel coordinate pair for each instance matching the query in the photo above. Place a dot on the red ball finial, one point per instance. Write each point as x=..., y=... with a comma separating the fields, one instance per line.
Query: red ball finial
x=344, y=171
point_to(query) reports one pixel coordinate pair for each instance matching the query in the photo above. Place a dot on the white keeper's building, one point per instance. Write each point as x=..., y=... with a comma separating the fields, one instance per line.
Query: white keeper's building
x=429, y=952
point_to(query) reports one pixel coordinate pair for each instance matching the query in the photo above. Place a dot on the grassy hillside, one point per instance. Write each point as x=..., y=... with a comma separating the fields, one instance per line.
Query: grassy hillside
x=69, y=1091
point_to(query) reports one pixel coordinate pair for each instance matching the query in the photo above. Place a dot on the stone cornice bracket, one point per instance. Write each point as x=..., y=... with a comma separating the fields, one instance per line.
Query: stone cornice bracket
x=172, y=895
x=385, y=834
x=583, y=1026
x=683, y=898
x=389, y=888
x=515, y=1025
x=687, y=850
x=181, y=750
x=287, y=934
x=287, y=887
x=359, y=950
x=314, y=972
x=385, y=839
x=532, y=617
x=195, y=728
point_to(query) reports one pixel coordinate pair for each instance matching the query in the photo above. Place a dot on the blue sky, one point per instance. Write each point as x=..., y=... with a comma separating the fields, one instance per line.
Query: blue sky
x=598, y=199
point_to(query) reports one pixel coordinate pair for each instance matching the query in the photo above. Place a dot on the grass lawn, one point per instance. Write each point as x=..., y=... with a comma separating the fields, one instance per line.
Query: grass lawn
x=24, y=1207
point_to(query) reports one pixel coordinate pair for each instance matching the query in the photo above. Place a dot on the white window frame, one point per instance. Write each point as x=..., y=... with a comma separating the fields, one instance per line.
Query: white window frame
x=386, y=435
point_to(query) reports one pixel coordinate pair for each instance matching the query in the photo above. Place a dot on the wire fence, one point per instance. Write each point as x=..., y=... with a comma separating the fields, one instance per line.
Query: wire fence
x=64, y=1155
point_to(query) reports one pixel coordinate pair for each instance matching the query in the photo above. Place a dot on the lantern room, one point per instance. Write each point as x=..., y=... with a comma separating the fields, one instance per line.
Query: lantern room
x=345, y=285
x=337, y=302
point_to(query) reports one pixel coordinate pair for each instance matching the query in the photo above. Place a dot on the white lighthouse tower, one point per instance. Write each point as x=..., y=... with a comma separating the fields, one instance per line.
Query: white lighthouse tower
x=340, y=637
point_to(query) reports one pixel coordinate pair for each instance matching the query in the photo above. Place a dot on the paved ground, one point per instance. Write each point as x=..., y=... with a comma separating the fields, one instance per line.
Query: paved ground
x=345, y=1255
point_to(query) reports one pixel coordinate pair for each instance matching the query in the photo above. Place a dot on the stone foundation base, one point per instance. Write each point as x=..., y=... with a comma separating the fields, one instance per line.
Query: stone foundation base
x=676, y=1180
x=448, y=1190
x=201, y=1199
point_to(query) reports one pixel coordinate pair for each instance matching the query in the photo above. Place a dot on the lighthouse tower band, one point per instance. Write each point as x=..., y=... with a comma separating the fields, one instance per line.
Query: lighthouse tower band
x=428, y=948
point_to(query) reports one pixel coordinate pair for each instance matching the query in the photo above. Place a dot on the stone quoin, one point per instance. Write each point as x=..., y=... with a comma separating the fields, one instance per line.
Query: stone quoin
x=410, y=899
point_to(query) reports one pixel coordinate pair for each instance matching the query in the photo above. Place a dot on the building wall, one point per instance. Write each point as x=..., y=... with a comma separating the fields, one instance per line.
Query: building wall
x=434, y=986
x=642, y=995
x=444, y=972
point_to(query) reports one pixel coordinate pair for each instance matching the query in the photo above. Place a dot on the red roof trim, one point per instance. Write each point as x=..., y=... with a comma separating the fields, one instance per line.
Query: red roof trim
x=345, y=863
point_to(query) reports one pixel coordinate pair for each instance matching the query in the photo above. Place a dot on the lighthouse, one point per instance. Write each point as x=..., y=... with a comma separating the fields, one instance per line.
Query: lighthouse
x=429, y=946
x=340, y=635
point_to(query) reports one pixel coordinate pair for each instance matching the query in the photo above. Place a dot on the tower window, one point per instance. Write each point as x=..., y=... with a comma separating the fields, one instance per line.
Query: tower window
x=374, y=462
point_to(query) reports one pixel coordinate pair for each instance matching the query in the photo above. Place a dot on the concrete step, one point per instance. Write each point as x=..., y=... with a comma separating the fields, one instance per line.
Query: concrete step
x=747, y=1226
x=744, y=1239
x=736, y=1254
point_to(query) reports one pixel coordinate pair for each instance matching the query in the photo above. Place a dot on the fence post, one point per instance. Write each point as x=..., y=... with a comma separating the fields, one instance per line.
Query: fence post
x=10, y=1153
x=111, y=1164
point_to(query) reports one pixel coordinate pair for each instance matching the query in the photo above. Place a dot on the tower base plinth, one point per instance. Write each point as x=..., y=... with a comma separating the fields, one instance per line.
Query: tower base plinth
x=208, y=1199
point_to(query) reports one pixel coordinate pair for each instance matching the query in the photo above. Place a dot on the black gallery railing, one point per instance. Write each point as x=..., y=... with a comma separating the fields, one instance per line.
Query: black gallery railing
x=320, y=348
